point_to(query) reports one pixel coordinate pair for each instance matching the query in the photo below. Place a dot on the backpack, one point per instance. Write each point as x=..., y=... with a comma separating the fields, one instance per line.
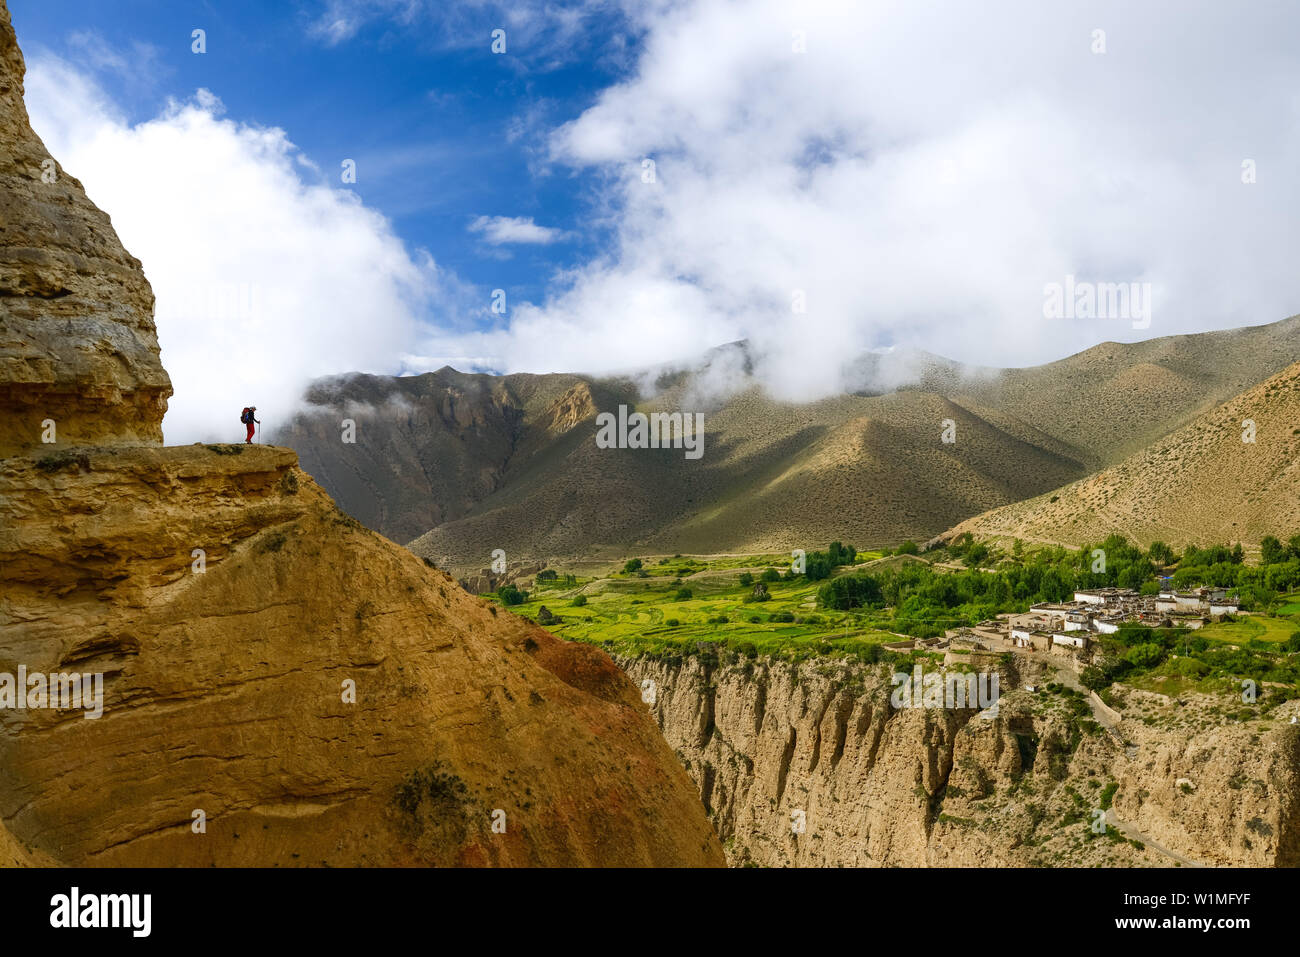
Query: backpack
x=246, y=416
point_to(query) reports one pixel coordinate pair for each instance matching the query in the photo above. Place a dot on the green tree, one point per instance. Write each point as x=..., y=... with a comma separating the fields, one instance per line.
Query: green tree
x=850, y=591
x=510, y=595
x=632, y=566
x=1271, y=551
x=1160, y=553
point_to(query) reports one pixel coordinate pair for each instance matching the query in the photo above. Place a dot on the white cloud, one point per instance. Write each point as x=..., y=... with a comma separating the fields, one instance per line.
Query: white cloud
x=265, y=275
x=920, y=178
x=498, y=230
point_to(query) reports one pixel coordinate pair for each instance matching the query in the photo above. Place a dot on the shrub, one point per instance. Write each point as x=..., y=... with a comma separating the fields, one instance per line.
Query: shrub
x=672, y=622
x=782, y=616
x=1093, y=678
x=746, y=579
x=632, y=566
x=770, y=575
x=683, y=594
x=510, y=595
x=579, y=601
x=1108, y=795
x=850, y=591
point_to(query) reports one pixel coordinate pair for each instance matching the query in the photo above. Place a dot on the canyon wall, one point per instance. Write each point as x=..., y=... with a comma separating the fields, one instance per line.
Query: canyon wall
x=768, y=742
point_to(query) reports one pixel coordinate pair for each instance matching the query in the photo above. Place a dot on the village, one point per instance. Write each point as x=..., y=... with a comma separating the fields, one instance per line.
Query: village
x=1070, y=628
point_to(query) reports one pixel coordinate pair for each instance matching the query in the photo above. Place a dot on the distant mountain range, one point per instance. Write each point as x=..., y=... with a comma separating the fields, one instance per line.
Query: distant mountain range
x=461, y=464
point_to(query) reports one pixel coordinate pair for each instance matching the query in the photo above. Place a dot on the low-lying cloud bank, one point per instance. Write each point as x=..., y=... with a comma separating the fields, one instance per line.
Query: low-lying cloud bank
x=828, y=177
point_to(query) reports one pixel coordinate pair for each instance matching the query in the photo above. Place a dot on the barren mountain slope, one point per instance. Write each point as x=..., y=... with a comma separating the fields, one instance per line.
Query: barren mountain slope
x=772, y=476
x=227, y=690
x=483, y=462
x=1202, y=484
x=1115, y=398
x=424, y=449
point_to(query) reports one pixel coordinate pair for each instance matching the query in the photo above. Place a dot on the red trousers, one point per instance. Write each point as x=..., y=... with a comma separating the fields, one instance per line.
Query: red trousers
x=250, y=433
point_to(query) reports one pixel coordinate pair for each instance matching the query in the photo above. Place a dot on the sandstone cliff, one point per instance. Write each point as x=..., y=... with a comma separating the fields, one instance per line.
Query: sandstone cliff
x=281, y=686
x=77, y=342
x=1196, y=783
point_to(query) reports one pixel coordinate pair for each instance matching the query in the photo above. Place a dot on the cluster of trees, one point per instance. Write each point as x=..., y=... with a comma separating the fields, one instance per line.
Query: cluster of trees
x=820, y=565
x=511, y=595
x=1137, y=648
x=850, y=591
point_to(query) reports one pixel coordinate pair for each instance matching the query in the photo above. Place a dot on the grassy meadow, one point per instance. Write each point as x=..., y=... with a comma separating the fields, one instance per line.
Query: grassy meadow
x=648, y=610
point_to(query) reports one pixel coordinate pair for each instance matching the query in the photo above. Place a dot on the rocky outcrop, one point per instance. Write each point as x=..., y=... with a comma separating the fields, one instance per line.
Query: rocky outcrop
x=771, y=744
x=269, y=682
x=318, y=693
x=78, y=351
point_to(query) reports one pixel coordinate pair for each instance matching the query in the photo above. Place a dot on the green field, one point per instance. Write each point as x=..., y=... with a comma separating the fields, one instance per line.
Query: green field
x=640, y=612
x=1257, y=627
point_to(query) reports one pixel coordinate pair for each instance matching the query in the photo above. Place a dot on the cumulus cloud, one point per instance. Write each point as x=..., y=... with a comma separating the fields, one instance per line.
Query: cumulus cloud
x=833, y=177
x=500, y=230
x=266, y=277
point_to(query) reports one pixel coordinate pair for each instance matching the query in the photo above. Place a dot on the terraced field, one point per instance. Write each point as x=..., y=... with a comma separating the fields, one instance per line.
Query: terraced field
x=1255, y=627
x=649, y=610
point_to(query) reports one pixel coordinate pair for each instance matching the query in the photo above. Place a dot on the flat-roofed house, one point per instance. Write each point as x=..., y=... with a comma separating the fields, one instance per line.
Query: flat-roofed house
x=1108, y=624
x=1030, y=638
x=1074, y=639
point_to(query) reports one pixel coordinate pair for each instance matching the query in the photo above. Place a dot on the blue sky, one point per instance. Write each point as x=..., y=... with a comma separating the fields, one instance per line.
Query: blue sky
x=442, y=130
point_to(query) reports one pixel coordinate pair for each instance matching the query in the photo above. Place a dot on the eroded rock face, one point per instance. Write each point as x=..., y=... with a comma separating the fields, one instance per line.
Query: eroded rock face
x=77, y=341
x=880, y=786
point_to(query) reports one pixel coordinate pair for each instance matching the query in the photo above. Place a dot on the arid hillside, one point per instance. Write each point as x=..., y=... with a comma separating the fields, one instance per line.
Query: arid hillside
x=1230, y=475
x=280, y=685
x=465, y=464
x=425, y=449
x=770, y=478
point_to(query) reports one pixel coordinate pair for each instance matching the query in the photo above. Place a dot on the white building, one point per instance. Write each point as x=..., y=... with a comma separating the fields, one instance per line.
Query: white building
x=1070, y=640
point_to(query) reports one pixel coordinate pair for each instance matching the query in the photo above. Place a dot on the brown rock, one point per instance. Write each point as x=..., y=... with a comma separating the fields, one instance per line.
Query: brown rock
x=225, y=689
x=77, y=338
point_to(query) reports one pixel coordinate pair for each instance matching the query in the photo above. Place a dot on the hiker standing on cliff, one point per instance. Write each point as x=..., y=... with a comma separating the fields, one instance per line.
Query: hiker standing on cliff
x=248, y=418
